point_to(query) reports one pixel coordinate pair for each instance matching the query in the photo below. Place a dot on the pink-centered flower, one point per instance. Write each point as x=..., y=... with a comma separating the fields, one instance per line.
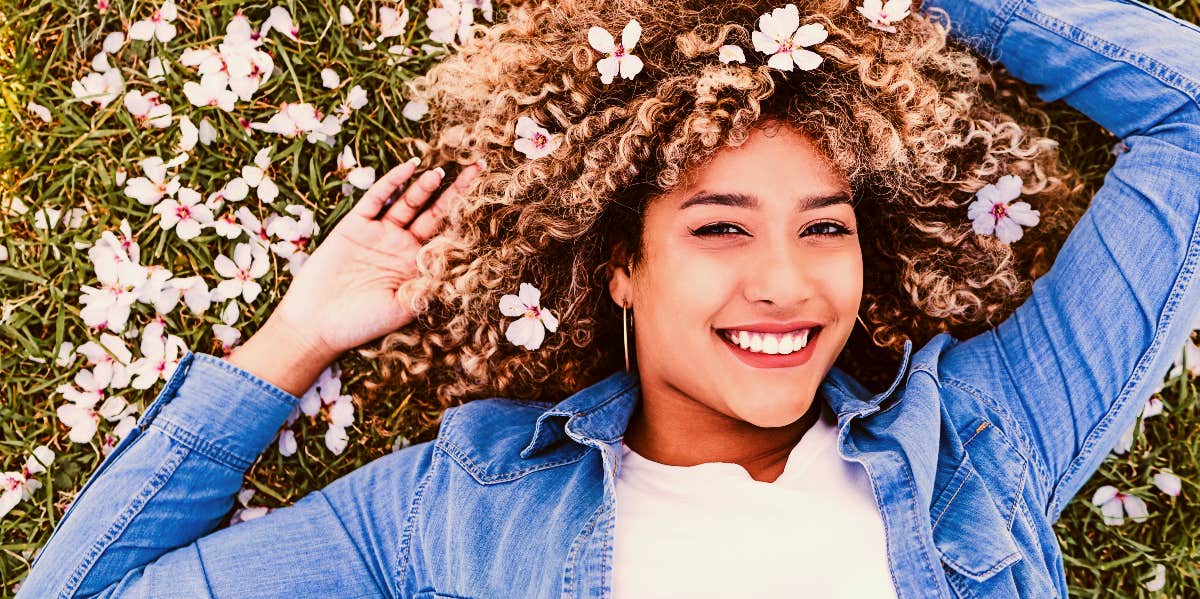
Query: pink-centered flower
x=995, y=212
x=881, y=16
x=781, y=36
x=159, y=26
x=533, y=140
x=617, y=59
x=1115, y=505
x=529, y=329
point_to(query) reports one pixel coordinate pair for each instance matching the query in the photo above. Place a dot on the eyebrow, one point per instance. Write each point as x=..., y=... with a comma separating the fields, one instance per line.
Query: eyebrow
x=741, y=200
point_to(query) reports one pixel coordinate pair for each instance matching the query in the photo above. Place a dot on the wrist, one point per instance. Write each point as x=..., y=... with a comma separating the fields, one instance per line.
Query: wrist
x=277, y=354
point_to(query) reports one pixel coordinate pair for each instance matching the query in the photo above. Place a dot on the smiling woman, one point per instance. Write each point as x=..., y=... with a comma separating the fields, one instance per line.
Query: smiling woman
x=742, y=209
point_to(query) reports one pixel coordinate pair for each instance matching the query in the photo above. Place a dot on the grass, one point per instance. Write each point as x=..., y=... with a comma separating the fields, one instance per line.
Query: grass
x=72, y=161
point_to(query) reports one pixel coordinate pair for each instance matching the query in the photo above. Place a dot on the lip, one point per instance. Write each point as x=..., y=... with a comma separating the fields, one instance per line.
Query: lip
x=773, y=360
x=773, y=327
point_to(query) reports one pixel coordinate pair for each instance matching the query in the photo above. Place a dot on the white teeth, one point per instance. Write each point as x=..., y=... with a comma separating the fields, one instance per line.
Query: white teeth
x=769, y=343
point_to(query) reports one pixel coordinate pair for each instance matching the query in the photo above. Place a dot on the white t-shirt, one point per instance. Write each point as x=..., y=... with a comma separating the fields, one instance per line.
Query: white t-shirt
x=710, y=530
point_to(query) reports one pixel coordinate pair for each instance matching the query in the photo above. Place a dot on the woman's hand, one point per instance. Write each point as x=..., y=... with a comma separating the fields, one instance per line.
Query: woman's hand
x=345, y=294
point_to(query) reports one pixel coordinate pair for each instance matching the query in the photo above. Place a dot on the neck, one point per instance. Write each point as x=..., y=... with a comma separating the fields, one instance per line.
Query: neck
x=670, y=428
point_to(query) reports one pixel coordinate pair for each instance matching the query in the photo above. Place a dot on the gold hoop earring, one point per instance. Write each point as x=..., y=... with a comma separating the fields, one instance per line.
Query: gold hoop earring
x=625, y=337
x=864, y=325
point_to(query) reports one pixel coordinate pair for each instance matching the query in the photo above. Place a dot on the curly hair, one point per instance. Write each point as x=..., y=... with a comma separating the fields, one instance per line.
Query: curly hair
x=916, y=123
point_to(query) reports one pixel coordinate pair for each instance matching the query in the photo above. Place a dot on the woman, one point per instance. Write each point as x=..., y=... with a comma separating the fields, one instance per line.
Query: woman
x=723, y=203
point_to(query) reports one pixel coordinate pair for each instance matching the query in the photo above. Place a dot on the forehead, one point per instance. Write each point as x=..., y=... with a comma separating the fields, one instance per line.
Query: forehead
x=776, y=163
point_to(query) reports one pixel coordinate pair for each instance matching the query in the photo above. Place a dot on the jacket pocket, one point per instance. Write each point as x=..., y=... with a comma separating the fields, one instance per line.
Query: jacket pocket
x=972, y=516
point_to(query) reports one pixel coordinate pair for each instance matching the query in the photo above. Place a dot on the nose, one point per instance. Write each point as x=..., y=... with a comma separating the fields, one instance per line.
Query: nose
x=779, y=275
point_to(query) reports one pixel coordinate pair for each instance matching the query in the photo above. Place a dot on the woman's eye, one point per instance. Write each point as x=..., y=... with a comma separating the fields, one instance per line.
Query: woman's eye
x=716, y=229
x=831, y=230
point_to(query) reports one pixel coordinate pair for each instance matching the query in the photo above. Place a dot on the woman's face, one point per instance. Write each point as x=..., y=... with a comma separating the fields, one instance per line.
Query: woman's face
x=762, y=239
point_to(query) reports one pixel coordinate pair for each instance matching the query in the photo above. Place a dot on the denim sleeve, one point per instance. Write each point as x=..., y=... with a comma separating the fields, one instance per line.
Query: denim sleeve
x=1073, y=366
x=142, y=526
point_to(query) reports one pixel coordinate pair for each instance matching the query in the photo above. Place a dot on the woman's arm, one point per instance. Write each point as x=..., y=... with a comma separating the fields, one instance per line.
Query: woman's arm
x=137, y=529
x=1076, y=362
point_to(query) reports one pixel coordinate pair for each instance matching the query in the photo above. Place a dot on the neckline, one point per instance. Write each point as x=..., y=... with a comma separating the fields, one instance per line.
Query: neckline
x=820, y=437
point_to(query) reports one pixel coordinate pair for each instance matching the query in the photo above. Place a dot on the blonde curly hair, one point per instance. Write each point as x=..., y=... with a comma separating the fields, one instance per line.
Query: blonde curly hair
x=917, y=126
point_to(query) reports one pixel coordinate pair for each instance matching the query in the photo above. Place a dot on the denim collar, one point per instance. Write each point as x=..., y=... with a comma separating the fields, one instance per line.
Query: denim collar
x=601, y=411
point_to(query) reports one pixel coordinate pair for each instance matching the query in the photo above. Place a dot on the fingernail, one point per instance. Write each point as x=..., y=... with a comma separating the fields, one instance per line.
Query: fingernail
x=413, y=161
x=482, y=164
x=440, y=172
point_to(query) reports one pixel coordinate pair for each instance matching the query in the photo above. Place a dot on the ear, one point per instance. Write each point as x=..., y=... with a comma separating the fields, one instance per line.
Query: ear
x=620, y=283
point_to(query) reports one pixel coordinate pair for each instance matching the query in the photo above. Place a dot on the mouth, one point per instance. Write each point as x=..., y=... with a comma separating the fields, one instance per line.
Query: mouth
x=771, y=350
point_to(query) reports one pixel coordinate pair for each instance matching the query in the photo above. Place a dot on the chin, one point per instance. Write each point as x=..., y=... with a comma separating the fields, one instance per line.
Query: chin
x=772, y=415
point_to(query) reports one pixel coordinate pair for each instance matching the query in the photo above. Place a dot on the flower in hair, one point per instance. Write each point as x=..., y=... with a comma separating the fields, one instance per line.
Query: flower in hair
x=781, y=36
x=881, y=16
x=618, y=60
x=530, y=329
x=991, y=212
x=730, y=53
x=533, y=140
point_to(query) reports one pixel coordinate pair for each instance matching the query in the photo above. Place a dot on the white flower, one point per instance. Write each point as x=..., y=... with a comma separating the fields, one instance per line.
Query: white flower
x=991, y=212
x=107, y=307
x=99, y=88
x=113, y=42
x=82, y=420
x=19, y=485
x=66, y=355
x=294, y=234
x=336, y=439
x=345, y=17
x=530, y=329
x=415, y=110
x=156, y=70
x=248, y=264
x=1115, y=504
x=206, y=132
x=227, y=226
x=391, y=22
x=157, y=26
x=484, y=6
x=119, y=431
x=881, y=16
x=357, y=98
x=730, y=53
x=211, y=91
x=618, y=59
x=247, y=512
x=1156, y=583
x=533, y=140
x=160, y=356
x=1168, y=483
x=780, y=35
x=196, y=295
x=450, y=19
x=38, y=110
x=1153, y=407
x=188, y=134
x=287, y=442
x=256, y=230
x=110, y=361
x=187, y=214
x=148, y=109
x=151, y=188
x=359, y=176
x=100, y=62
x=329, y=78
x=255, y=175
x=280, y=20
x=291, y=120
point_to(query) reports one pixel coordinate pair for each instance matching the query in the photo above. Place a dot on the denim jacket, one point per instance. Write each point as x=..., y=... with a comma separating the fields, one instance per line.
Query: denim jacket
x=972, y=451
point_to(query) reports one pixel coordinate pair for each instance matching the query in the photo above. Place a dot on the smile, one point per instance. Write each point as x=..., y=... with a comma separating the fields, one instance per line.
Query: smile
x=771, y=350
